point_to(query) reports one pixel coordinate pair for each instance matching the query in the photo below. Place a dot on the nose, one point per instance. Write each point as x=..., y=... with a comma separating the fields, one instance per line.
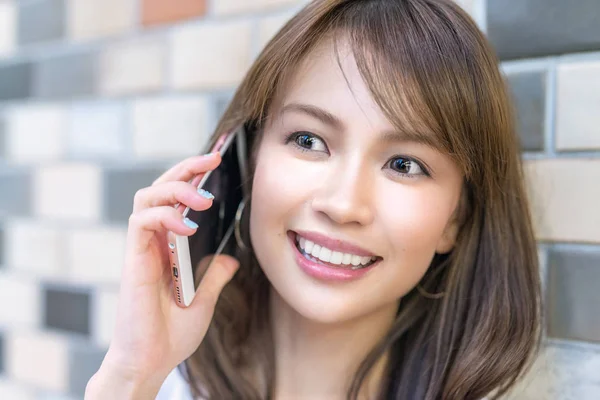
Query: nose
x=345, y=194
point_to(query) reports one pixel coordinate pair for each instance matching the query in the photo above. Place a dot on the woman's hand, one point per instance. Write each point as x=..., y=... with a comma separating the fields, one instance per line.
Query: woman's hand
x=153, y=334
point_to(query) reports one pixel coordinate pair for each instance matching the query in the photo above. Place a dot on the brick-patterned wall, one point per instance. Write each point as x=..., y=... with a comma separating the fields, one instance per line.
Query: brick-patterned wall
x=98, y=97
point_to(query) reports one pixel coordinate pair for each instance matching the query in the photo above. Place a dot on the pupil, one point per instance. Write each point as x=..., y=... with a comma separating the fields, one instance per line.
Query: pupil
x=306, y=140
x=402, y=164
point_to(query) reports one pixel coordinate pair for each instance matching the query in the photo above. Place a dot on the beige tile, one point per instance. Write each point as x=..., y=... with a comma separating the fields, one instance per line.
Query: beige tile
x=211, y=55
x=565, y=195
x=577, y=106
x=8, y=27
x=135, y=66
x=89, y=19
x=69, y=191
x=162, y=12
x=170, y=127
x=96, y=255
x=39, y=360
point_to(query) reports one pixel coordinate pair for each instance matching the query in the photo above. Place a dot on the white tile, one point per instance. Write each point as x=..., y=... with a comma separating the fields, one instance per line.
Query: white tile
x=170, y=127
x=35, y=133
x=269, y=26
x=11, y=390
x=70, y=191
x=210, y=55
x=221, y=7
x=97, y=129
x=132, y=67
x=105, y=316
x=21, y=305
x=8, y=27
x=466, y=5
x=577, y=105
x=38, y=359
x=89, y=19
x=34, y=248
x=562, y=372
x=96, y=254
x=564, y=199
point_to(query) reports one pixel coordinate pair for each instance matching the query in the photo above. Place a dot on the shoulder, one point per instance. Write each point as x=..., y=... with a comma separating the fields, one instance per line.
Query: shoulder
x=175, y=387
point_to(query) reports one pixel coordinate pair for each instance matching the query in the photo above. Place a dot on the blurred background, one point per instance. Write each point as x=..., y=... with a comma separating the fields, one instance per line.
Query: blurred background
x=98, y=97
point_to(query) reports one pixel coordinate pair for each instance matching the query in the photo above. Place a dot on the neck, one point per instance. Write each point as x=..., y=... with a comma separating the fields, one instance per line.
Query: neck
x=317, y=360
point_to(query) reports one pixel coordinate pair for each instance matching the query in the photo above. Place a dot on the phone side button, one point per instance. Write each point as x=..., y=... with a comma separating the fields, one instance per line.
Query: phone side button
x=175, y=272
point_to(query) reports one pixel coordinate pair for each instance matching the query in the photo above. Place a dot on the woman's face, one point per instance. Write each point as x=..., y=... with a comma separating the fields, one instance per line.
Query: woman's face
x=333, y=170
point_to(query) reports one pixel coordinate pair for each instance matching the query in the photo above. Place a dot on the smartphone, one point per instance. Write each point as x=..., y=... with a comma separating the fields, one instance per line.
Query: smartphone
x=190, y=256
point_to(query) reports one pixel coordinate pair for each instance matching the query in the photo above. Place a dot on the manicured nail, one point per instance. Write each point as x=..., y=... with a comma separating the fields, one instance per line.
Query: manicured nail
x=190, y=223
x=206, y=194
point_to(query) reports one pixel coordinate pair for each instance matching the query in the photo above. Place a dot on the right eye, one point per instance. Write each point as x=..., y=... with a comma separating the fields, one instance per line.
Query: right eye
x=306, y=141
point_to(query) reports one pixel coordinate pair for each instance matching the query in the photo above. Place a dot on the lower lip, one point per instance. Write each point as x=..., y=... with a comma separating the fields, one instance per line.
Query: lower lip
x=325, y=272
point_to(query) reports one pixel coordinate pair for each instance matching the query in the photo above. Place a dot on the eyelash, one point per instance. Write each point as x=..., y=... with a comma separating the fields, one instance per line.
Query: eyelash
x=291, y=137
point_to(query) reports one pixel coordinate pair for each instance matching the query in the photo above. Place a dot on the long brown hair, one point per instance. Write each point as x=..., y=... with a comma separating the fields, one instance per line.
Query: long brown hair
x=428, y=66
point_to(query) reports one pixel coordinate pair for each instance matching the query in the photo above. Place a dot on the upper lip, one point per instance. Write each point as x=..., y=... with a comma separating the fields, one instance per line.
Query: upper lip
x=335, y=244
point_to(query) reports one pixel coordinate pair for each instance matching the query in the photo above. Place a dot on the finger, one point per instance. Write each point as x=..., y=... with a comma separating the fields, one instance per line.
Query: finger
x=189, y=168
x=170, y=193
x=219, y=273
x=144, y=224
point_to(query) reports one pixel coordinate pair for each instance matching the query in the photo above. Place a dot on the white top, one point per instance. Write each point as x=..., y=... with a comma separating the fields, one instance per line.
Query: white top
x=174, y=387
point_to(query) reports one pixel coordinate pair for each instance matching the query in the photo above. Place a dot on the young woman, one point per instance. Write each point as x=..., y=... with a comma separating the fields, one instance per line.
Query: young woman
x=381, y=130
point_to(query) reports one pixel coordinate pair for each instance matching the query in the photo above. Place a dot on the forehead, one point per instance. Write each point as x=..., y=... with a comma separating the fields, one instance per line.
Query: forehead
x=328, y=85
x=328, y=78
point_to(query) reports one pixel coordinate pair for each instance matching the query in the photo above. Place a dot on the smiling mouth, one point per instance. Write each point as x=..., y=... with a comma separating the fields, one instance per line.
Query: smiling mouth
x=336, y=259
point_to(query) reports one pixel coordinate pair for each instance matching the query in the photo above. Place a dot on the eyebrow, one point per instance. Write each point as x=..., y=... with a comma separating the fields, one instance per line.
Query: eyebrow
x=391, y=136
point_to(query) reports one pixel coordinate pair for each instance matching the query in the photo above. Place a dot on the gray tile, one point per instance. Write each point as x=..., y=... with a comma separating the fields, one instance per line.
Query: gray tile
x=533, y=28
x=41, y=20
x=2, y=137
x=84, y=361
x=529, y=93
x=572, y=295
x=16, y=81
x=66, y=76
x=120, y=186
x=15, y=193
x=67, y=310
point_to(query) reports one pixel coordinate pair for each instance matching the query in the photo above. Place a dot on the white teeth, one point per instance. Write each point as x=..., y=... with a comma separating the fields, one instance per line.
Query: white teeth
x=316, y=250
x=308, y=246
x=333, y=257
x=336, y=257
x=347, y=259
x=325, y=254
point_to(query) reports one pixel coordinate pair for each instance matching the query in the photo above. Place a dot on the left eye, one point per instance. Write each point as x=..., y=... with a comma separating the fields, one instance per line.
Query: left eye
x=406, y=166
x=308, y=141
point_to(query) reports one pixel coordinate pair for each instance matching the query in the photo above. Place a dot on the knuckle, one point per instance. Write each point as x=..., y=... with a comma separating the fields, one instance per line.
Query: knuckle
x=138, y=197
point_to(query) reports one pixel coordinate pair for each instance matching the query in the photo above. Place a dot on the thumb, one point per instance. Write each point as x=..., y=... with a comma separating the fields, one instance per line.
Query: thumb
x=219, y=273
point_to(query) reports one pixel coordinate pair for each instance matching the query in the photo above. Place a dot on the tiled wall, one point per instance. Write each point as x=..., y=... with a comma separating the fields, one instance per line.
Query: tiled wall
x=98, y=97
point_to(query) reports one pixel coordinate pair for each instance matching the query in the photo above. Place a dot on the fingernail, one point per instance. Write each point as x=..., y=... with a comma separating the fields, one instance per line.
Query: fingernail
x=190, y=223
x=206, y=194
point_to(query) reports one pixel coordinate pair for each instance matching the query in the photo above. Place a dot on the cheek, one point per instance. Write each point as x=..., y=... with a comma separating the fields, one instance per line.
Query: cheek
x=415, y=218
